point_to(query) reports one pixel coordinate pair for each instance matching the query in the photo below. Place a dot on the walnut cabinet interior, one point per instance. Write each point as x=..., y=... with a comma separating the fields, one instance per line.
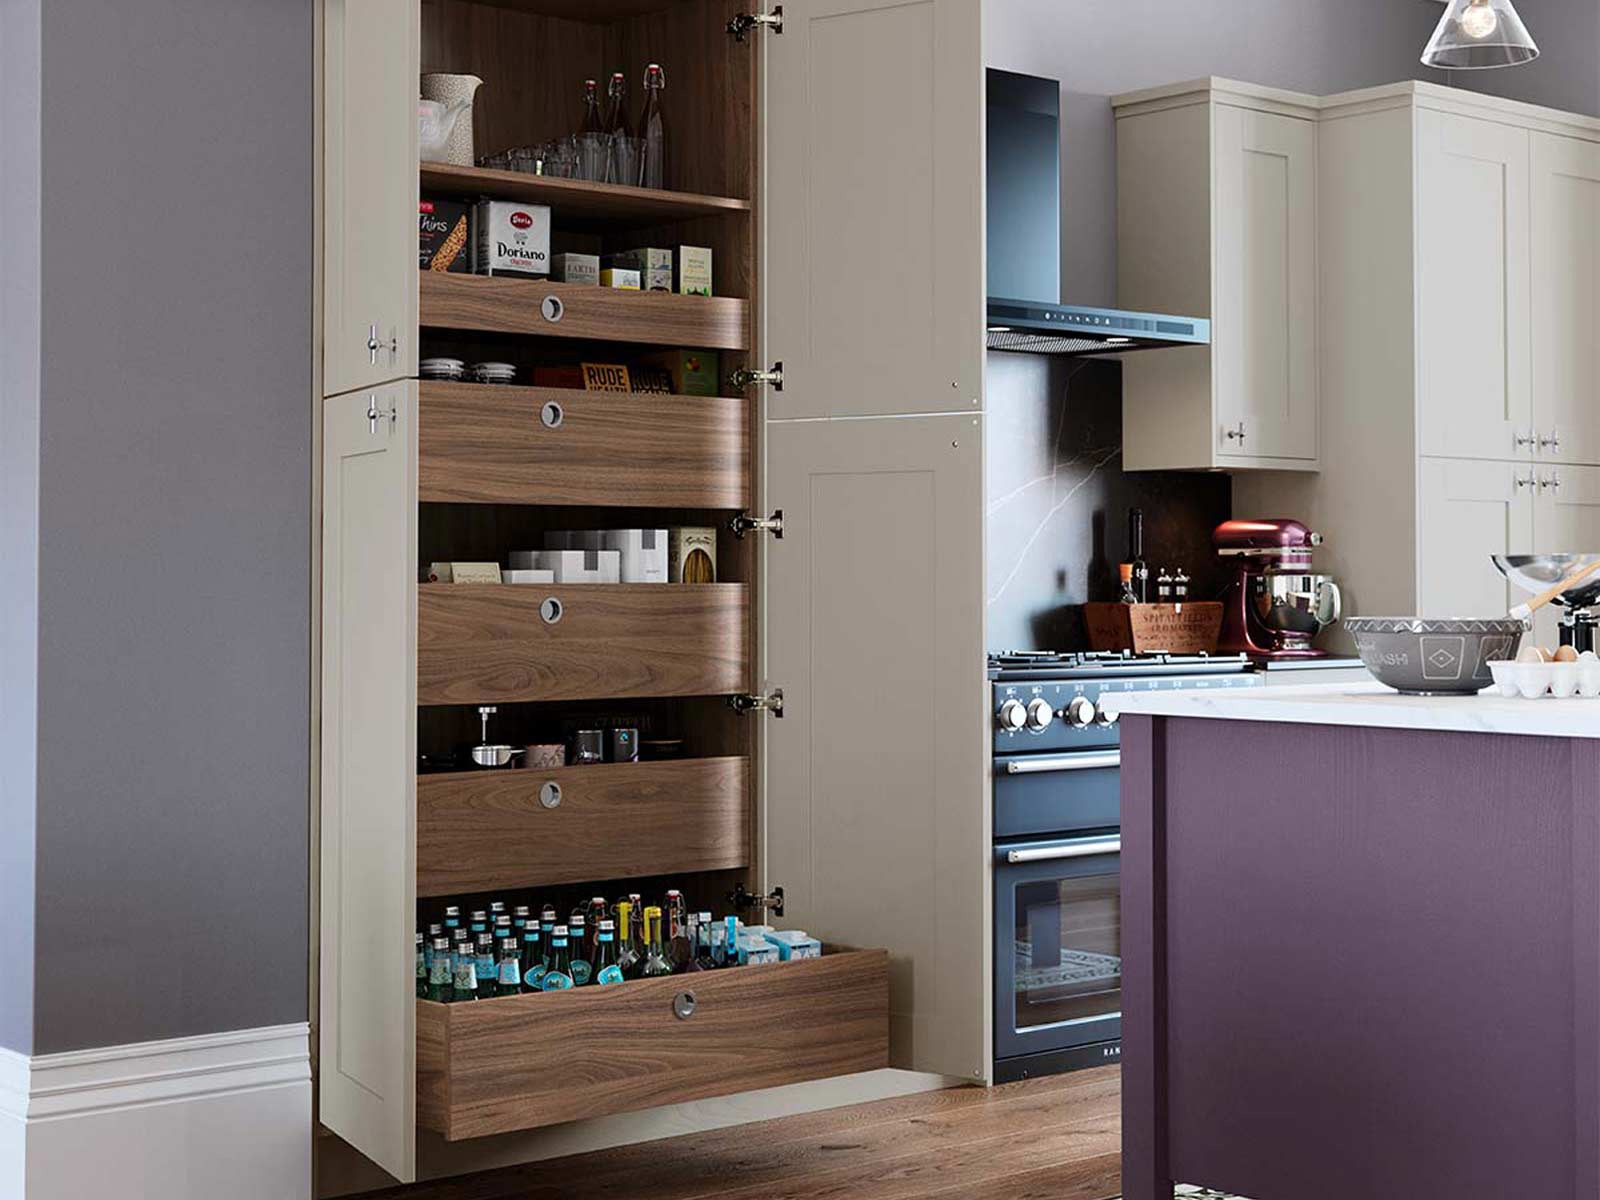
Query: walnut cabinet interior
x=868, y=605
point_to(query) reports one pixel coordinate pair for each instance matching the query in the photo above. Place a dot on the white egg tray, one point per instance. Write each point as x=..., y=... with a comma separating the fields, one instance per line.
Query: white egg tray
x=1535, y=681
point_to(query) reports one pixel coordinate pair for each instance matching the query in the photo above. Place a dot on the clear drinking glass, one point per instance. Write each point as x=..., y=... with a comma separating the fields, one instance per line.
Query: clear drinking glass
x=625, y=159
x=594, y=155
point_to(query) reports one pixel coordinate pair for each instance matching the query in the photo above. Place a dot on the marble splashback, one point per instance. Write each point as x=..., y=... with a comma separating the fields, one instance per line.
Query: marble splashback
x=1058, y=500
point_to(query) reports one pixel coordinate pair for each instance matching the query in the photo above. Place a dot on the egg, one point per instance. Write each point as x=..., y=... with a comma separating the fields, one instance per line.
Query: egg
x=1530, y=654
x=1589, y=656
x=1566, y=654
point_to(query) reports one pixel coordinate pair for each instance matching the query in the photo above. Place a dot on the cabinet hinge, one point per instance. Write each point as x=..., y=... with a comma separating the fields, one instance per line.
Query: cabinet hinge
x=745, y=22
x=746, y=901
x=742, y=524
x=771, y=702
x=773, y=377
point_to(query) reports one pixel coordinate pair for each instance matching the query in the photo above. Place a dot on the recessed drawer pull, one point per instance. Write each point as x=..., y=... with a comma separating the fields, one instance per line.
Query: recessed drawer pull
x=551, y=610
x=683, y=1005
x=553, y=308
x=550, y=794
x=552, y=414
x=1064, y=762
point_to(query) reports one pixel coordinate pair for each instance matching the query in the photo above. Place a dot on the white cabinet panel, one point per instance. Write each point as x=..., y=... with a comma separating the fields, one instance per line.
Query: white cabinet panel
x=1473, y=249
x=367, y=905
x=1566, y=520
x=1566, y=298
x=1265, y=323
x=1469, y=511
x=370, y=187
x=872, y=272
x=873, y=780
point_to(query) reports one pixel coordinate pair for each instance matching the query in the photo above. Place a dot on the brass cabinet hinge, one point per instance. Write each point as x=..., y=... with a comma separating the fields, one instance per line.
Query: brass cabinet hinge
x=743, y=524
x=745, y=22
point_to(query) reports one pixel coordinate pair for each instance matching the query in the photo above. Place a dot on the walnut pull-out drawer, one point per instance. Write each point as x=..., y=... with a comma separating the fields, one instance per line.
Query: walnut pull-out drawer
x=493, y=1066
x=480, y=444
x=481, y=831
x=497, y=304
x=493, y=644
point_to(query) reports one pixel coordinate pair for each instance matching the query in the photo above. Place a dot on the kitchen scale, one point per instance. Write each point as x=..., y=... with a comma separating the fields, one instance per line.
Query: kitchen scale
x=1536, y=572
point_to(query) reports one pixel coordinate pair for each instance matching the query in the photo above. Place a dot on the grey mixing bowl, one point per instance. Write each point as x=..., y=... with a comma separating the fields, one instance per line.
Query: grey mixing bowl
x=1435, y=656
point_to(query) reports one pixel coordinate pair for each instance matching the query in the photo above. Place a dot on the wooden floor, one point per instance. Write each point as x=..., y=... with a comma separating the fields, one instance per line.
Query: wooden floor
x=1056, y=1138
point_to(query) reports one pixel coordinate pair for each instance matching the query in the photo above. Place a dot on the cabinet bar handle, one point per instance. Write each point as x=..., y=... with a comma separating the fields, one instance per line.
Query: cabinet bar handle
x=1064, y=762
x=1075, y=850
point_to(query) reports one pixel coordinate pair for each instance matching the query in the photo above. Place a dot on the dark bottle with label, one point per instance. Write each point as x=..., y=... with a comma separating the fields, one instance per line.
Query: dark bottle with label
x=702, y=943
x=508, y=970
x=653, y=130
x=533, y=964
x=559, y=977
x=691, y=961
x=596, y=911
x=460, y=947
x=519, y=918
x=606, y=968
x=440, y=987
x=452, y=922
x=496, y=911
x=617, y=112
x=675, y=940
x=591, y=108
x=502, y=928
x=484, y=966
x=435, y=932
x=577, y=935
x=1141, y=570
x=422, y=968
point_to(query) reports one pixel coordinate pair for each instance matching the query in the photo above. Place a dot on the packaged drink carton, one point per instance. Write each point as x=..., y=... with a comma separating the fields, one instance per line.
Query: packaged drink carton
x=444, y=236
x=643, y=551
x=653, y=264
x=756, y=951
x=513, y=239
x=576, y=268
x=617, y=277
x=794, y=944
x=693, y=275
x=692, y=554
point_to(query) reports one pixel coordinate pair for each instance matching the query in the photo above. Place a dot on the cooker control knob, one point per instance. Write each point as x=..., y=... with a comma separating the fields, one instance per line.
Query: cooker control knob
x=1040, y=714
x=1106, y=718
x=1013, y=715
x=1079, y=711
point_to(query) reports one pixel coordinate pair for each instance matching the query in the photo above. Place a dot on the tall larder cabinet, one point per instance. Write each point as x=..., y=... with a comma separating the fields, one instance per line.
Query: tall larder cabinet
x=826, y=687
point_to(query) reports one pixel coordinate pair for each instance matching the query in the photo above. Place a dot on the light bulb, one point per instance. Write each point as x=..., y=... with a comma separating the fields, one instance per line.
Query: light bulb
x=1479, y=20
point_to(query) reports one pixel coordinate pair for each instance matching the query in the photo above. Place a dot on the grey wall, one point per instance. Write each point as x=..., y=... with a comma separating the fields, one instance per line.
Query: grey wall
x=19, y=506
x=174, y=539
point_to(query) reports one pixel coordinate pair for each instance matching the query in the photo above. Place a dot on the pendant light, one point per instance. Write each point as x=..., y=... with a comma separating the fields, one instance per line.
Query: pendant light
x=1474, y=34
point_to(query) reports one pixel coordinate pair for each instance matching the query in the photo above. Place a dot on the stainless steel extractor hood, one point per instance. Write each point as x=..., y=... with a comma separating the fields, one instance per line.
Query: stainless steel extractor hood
x=1024, y=239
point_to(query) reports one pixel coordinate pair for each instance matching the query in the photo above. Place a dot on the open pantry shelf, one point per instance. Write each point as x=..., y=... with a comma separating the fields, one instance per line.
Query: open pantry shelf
x=577, y=203
x=480, y=831
x=490, y=643
x=520, y=1062
x=497, y=304
x=482, y=444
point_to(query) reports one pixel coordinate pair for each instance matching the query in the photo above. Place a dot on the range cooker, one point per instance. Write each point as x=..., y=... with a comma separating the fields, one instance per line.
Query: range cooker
x=1057, y=848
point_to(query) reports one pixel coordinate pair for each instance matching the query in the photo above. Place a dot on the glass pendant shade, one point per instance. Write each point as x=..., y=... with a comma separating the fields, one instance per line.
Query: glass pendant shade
x=1475, y=34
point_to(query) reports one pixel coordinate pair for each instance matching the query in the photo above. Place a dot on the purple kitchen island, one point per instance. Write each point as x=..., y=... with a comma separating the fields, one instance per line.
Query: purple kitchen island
x=1361, y=945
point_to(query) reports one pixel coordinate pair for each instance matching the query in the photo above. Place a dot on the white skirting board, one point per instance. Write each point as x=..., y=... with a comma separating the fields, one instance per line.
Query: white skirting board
x=224, y=1114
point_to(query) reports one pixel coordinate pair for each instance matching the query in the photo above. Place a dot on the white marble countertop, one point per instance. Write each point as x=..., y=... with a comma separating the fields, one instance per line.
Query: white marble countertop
x=1371, y=704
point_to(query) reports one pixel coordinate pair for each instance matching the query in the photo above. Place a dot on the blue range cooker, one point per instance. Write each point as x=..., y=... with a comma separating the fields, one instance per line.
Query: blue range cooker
x=1057, y=848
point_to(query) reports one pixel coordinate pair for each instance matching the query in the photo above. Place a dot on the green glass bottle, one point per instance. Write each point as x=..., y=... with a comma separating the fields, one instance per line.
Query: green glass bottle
x=480, y=923
x=533, y=964
x=519, y=918
x=691, y=959
x=606, y=968
x=582, y=969
x=485, y=968
x=435, y=932
x=440, y=987
x=460, y=947
x=465, y=976
x=559, y=976
x=630, y=953
x=496, y=911
x=422, y=969
x=508, y=976
x=452, y=921
x=655, y=959
x=702, y=944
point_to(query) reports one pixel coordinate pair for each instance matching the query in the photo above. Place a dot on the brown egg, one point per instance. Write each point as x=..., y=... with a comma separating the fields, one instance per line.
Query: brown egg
x=1566, y=654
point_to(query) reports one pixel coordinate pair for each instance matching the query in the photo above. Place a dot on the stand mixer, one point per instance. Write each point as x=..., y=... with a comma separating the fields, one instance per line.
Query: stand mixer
x=1276, y=603
x=1536, y=572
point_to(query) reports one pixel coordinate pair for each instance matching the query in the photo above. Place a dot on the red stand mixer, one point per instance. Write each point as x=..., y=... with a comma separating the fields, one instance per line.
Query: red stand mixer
x=1276, y=603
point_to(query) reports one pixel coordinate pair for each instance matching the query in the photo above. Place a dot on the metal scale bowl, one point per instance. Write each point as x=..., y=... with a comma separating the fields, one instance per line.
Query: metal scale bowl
x=1536, y=572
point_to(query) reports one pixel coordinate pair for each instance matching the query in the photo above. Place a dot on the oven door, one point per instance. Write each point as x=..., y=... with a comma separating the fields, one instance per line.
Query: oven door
x=1058, y=945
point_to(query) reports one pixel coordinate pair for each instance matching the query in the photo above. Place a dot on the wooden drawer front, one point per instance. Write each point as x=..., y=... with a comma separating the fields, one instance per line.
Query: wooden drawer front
x=491, y=445
x=494, y=1066
x=486, y=830
x=488, y=644
x=496, y=304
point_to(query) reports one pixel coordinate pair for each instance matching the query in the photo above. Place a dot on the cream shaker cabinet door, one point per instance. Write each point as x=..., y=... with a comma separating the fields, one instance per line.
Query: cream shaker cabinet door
x=1566, y=299
x=1566, y=520
x=367, y=896
x=874, y=814
x=1474, y=373
x=1264, y=327
x=370, y=185
x=872, y=195
x=1467, y=512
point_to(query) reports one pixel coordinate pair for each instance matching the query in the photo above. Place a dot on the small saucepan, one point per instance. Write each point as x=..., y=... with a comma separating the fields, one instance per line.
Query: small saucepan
x=485, y=754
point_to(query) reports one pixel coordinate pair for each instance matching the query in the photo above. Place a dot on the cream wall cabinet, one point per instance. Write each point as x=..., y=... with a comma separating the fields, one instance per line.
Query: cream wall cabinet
x=1566, y=297
x=1217, y=217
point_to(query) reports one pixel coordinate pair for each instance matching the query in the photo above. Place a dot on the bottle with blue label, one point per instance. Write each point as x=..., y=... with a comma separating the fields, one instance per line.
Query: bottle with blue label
x=465, y=974
x=559, y=976
x=435, y=932
x=606, y=969
x=485, y=967
x=460, y=947
x=502, y=927
x=703, y=956
x=519, y=919
x=582, y=969
x=496, y=911
x=480, y=923
x=508, y=971
x=440, y=989
x=422, y=968
x=533, y=964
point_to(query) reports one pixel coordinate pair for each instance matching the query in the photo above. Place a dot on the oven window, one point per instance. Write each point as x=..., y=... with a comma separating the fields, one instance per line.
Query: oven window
x=1068, y=950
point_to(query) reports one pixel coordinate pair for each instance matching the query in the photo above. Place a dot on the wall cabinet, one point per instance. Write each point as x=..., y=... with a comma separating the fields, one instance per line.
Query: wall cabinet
x=1217, y=217
x=1566, y=297
x=871, y=600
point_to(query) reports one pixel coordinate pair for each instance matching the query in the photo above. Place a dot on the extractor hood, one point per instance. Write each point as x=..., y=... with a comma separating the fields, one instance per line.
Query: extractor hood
x=1024, y=230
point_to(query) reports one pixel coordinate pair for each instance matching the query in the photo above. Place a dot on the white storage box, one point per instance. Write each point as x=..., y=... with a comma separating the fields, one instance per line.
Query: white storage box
x=583, y=566
x=575, y=539
x=644, y=553
x=528, y=575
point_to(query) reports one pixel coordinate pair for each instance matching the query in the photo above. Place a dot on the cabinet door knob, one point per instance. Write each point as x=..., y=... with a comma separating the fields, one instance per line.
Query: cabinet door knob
x=1551, y=443
x=375, y=344
x=375, y=414
x=1553, y=482
x=1529, y=482
x=1235, y=433
x=1525, y=441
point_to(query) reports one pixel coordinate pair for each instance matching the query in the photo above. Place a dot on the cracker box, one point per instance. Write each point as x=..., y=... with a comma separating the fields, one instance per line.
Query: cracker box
x=694, y=271
x=513, y=239
x=619, y=278
x=444, y=241
x=606, y=377
x=653, y=264
x=576, y=268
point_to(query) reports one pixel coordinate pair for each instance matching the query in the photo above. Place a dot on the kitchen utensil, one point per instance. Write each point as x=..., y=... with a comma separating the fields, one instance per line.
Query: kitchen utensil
x=486, y=754
x=1580, y=619
x=1444, y=656
x=455, y=94
x=1276, y=604
x=1558, y=589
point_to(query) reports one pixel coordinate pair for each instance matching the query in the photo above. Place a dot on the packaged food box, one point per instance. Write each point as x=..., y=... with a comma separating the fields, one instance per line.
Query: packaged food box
x=527, y=576
x=558, y=377
x=694, y=271
x=606, y=377
x=794, y=944
x=444, y=236
x=581, y=566
x=651, y=380
x=644, y=553
x=653, y=264
x=464, y=572
x=576, y=268
x=756, y=951
x=513, y=239
x=573, y=539
x=694, y=372
x=617, y=277
x=692, y=555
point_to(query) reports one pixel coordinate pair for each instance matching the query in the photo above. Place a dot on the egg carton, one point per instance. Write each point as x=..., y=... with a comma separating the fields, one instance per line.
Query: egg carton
x=1536, y=680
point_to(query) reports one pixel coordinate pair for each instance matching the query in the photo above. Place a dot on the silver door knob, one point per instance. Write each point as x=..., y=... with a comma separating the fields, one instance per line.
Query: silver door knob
x=1553, y=483
x=1529, y=482
x=375, y=414
x=375, y=344
x=1551, y=443
x=1080, y=711
x=1040, y=714
x=1526, y=440
x=1013, y=715
x=1235, y=434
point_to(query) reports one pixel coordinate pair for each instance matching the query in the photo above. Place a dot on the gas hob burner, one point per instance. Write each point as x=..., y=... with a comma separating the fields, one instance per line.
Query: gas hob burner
x=1044, y=664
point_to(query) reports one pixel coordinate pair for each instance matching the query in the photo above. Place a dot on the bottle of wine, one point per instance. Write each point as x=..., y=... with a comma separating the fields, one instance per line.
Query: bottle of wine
x=617, y=112
x=653, y=131
x=606, y=969
x=591, y=109
x=655, y=960
x=559, y=976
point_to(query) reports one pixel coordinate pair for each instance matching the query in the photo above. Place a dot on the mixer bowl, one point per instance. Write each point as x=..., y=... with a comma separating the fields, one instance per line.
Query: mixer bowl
x=1435, y=656
x=1535, y=572
x=1300, y=604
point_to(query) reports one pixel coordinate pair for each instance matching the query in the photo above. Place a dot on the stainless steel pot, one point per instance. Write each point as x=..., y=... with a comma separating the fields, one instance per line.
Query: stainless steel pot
x=1298, y=603
x=486, y=754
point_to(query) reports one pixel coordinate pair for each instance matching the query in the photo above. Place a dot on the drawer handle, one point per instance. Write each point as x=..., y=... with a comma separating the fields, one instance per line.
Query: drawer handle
x=551, y=610
x=553, y=309
x=550, y=795
x=552, y=414
x=683, y=1005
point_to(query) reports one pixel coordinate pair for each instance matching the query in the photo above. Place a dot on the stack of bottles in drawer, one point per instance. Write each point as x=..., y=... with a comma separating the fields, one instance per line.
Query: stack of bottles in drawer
x=509, y=952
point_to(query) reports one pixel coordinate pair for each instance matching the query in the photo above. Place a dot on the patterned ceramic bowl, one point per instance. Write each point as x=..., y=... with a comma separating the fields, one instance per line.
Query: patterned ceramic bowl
x=1435, y=656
